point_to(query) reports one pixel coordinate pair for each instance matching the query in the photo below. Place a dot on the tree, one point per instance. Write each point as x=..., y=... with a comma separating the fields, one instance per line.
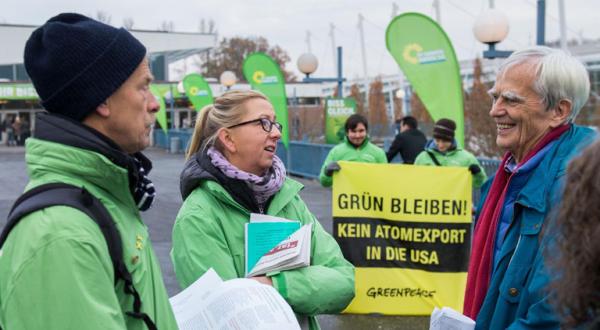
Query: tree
x=230, y=55
x=480, y=129
x=203, y=27
x=589, y=115
x=167, y=26
x=358, y=98
x=128, y=23
x=103, y=17
x=377, y=108
x=397, y=108
x=419, y=111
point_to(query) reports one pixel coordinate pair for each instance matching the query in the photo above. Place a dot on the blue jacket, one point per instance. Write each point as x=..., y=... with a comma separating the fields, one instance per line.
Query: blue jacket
x=517, y=297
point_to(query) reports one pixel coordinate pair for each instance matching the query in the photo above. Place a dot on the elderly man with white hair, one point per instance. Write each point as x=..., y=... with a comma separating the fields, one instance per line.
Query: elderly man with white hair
x=537, y=95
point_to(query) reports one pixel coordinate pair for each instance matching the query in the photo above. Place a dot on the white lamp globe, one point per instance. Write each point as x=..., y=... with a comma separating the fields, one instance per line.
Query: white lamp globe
x=400, y=94
x=228, y=78
x=491, y=26
x=307, y=63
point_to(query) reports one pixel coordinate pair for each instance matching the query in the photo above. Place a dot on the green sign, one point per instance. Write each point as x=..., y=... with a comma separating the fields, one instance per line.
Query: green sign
x=161, y=115
x=424, y=53
x=197, y=91
x=264, y=75
x=18, y=92
x=337, y=112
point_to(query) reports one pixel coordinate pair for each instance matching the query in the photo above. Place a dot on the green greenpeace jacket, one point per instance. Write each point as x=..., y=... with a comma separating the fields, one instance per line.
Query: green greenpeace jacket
x=366, y=153
x=209, y=232
x=456, y=157
x=55, y=269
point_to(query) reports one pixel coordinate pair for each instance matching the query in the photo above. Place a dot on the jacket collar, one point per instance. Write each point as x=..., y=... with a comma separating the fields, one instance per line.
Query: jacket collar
x=78, y=150
x=433, y=147
x=200, y=171
x=552, y=167
x=365, y=142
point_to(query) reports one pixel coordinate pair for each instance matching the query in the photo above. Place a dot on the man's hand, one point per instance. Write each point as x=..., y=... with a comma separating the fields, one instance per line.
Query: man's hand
x=332, y=167
x=474, y=169
x=263, y=279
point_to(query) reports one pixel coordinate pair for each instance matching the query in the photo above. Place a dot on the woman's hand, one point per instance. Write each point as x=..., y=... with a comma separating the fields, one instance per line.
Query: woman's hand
x=263, y=279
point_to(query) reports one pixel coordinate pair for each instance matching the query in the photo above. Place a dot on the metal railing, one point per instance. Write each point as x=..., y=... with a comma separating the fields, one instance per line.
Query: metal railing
x=303, y=159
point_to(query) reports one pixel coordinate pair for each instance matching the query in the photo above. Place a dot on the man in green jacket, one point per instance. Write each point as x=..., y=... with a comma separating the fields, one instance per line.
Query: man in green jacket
x=443, y=151
x=355, y=148
x=55, y=268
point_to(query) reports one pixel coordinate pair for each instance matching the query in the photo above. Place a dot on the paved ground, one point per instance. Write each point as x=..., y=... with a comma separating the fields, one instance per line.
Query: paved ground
x=160, y=218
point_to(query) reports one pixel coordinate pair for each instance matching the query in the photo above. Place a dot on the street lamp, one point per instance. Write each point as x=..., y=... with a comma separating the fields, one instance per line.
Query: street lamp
x=308, y=63
x=404, y=94
x=400, y=94
x=228, y=79
x=491, y=27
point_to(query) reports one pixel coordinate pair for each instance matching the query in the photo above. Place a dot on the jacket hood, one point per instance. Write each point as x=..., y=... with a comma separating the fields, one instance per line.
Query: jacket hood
x=63, y=130
x=194, y=172
x=199, y=168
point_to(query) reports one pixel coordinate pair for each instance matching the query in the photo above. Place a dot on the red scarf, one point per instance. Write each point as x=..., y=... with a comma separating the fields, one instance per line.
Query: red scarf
x=482, y=250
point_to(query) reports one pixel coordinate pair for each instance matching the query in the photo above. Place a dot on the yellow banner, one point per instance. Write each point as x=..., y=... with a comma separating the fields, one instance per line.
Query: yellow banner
x=407, y=229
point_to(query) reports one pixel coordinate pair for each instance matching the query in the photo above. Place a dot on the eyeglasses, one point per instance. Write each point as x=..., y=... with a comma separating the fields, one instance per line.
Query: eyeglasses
x=266, y=124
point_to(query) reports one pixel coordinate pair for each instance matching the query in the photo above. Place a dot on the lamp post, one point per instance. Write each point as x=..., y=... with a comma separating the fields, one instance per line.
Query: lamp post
x=405, y=95
x=491, y=27
x=308, y=63
x=228, y=79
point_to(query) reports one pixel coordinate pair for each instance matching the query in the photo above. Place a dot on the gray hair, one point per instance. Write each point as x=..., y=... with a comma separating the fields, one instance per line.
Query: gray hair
x=560, y=76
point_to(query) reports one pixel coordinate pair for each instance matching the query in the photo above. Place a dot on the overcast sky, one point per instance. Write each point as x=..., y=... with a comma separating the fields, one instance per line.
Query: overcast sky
x=285, y=22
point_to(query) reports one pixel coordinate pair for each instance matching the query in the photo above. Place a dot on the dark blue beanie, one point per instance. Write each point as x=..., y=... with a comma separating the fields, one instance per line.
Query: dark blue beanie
x=76, y=63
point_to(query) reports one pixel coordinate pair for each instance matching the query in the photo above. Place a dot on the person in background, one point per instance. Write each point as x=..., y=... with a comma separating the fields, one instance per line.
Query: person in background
x=356, y=147
x=16, y=126
x=56, y=271
x=409, y=142
x=10, y=132
x=536, y=97
x=575, y=260
x=25, y=130
x=443, y=151
x=232, y=171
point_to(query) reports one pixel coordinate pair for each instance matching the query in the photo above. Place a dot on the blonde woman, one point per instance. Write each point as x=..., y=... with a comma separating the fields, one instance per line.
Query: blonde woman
x=232, y=170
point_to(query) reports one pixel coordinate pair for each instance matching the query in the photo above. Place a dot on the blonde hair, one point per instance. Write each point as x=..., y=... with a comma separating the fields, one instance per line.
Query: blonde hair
x=227, y=110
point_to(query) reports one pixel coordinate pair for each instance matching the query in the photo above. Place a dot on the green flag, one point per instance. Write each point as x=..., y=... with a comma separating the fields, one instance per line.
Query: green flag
x=337, y=112
x=197, y=91
x=264, y=75
x=161, y=115
x=424, y=53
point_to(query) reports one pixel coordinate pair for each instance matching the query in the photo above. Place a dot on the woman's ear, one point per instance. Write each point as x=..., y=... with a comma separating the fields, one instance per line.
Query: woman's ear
x=561, y=112
x=224, y=136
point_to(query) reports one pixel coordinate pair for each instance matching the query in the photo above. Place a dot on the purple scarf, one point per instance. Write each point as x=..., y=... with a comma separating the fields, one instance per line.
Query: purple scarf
x=263, y=186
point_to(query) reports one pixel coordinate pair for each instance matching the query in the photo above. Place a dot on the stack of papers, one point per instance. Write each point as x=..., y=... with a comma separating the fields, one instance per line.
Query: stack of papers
x=210, y=303
x=449, y=319
x=275, y=244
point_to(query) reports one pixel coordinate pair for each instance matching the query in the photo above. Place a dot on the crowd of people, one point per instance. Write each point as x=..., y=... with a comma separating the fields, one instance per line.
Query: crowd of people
x=534, y=261
x=14, y=130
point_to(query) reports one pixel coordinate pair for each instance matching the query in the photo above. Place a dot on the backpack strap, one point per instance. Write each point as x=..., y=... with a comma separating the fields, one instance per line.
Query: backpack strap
x=432, y=156
x=54, y=194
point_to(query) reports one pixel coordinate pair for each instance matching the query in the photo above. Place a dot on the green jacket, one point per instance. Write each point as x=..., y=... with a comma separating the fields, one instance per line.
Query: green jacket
x=55, y=269
x=209, y=232
x=366, y=153
x=456, y=157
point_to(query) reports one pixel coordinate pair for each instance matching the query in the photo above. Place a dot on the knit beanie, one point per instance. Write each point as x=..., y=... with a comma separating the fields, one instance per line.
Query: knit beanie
x=444, y=129
x=76, y=63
